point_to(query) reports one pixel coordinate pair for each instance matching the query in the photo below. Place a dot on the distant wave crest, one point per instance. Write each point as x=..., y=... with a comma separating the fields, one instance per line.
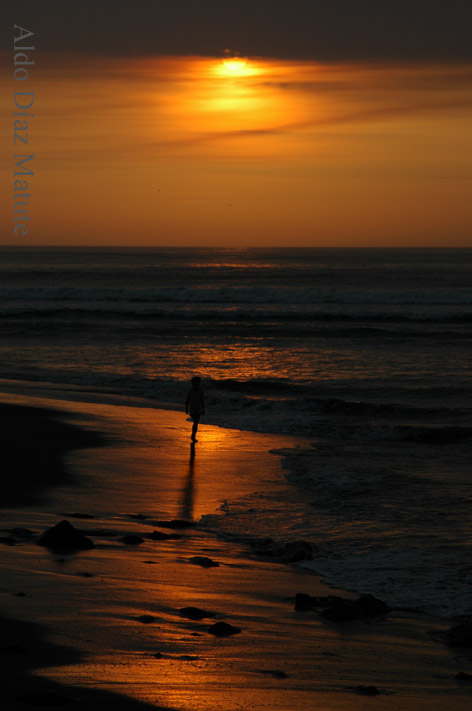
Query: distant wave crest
x=239, y=295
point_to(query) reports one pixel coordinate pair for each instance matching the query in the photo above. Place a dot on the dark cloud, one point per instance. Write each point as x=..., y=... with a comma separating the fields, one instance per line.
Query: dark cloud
x=327, y=30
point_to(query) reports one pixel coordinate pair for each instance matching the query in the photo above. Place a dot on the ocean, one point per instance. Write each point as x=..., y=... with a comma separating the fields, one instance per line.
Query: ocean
x=364, y=354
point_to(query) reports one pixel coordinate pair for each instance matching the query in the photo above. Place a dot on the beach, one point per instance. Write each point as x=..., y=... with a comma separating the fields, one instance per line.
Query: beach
x=109, y=627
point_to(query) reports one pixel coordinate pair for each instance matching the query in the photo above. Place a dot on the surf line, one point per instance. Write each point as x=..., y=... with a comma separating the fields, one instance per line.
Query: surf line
x=23, y=102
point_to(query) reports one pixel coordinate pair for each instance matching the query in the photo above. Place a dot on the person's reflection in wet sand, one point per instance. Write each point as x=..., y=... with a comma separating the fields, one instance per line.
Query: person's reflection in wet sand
x=188, y=491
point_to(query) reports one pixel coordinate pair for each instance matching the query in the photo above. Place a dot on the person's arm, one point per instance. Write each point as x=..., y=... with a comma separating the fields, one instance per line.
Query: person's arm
x=203, y=404
x=186, y=403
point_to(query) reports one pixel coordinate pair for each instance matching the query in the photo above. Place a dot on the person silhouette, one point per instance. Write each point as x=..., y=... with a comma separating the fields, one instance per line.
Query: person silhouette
x=194, y=405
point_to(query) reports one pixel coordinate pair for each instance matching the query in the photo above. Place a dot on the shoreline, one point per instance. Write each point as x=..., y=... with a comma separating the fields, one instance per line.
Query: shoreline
x=289, y=457
x=283, y=659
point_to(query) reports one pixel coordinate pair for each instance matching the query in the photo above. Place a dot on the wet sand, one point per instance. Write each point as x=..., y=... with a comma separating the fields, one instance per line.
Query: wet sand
x=103, y=629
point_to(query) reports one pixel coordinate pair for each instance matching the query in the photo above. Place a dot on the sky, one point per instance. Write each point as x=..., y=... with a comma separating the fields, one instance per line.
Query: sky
x=251, y=124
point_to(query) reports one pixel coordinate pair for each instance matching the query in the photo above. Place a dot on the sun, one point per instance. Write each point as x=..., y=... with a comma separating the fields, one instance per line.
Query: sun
x=234, y=65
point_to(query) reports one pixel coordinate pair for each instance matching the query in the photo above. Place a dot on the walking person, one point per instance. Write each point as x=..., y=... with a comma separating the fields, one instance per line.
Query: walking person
x=194, y=405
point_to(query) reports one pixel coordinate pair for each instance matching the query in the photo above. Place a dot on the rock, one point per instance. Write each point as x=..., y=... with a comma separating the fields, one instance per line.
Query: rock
x=7, y=541
x=64, y=538
x=296, y=551
x=203, y=562
x=43, y=698
x=188, y=658
x=146, y=619
x=82, y=515
x=303, y=602
x=460, y=635
x=223, y=629
x=462, y=676
x=372, y=606
x=84, y=574
x=266, y=547
x=159, y=536
x=194, y=613
x=138, y=517
x=367, y=690
x=132, y=540
x=21, y=532
x=273, y=672
x=19, y=594
x=175, y=523
x=343, y=611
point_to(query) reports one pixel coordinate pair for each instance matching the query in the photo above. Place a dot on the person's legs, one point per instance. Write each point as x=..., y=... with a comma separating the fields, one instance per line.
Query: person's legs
x=195, y=419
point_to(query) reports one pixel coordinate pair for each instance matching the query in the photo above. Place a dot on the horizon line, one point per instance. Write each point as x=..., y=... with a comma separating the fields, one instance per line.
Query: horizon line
x=222, y=247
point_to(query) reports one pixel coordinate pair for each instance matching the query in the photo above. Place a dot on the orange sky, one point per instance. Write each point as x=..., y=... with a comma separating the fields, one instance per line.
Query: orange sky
x=196, y=151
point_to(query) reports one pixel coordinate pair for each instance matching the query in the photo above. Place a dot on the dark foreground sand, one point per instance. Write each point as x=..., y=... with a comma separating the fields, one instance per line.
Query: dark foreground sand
x=103, y=628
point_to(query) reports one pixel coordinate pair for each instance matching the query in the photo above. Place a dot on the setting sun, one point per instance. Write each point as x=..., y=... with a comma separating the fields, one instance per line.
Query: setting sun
x=236, y=67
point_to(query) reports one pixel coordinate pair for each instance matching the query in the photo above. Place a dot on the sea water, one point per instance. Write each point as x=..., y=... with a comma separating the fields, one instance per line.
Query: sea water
x=363, y=352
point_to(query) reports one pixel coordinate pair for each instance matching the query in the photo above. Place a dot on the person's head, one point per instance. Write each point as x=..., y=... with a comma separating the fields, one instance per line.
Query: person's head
x=196, y=381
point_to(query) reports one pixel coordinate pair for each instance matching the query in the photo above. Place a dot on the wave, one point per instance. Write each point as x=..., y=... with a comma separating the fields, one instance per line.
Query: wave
x=272, y=321
x=380, y=432
x=240, y=295
x=278, y=405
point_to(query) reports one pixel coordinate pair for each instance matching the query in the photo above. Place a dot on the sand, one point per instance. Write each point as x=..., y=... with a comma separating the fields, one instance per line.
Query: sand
x=101, y=629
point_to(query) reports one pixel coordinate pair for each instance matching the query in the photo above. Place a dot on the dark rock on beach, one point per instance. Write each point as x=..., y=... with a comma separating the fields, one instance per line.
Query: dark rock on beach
x=203, y=562
x=160, y=536
x=463, y=676
x=21, y=532
x=132, y=540
x=372, y=606
x=194, y=613
x=460, y=635
x=64, y=538
x=7, y=541
x=296, y=551
x=223, y=629
x=342, y=611
x=304, y=602
x=146, y=619
x=339, y=609
x=367, y=690
x=273, y=672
